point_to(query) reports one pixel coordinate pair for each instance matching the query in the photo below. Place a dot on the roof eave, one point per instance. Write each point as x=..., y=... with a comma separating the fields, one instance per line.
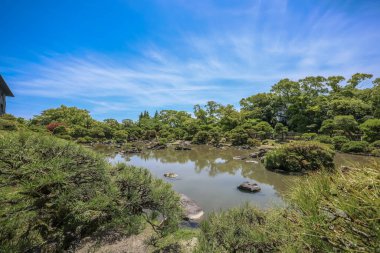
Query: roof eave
x=5, y=87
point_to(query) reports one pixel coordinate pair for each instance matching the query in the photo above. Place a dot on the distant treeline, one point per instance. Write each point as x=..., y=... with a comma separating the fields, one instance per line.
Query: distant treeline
x=312, y=106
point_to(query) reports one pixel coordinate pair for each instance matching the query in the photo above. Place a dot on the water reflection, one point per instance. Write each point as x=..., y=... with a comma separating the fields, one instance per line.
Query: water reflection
x=210, y=176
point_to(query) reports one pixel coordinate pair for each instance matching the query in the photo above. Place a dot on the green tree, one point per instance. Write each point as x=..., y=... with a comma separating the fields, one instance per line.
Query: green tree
x=346, y=124
x=371, y=129
x=281, y=130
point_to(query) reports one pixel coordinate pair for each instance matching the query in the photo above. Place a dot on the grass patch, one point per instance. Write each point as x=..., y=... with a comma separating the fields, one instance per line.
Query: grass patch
x=329, y=211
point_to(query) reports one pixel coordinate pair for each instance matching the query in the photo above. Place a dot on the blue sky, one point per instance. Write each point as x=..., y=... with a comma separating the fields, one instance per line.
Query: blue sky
x=117, y=58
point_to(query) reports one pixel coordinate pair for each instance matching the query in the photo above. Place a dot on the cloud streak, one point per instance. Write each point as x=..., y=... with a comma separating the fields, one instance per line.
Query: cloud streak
x=220, y=65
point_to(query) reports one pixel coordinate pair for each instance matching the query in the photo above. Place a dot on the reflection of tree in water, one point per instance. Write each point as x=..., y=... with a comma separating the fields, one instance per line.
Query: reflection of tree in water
x=203, y=157
x=217, y=161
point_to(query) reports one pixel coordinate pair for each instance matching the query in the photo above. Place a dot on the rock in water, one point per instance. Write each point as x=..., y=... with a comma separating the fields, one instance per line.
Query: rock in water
x=251, y=161
x=191, y=210
x=249, y=187
x=170, y=175
x=182, y=148
x=239, y=157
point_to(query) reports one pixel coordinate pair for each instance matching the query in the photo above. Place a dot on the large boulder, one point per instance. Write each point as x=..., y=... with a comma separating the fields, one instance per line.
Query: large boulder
x=191, y=209
x=249, y=187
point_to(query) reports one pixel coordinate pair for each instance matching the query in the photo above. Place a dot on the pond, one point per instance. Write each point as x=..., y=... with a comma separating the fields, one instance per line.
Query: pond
x=210, y=176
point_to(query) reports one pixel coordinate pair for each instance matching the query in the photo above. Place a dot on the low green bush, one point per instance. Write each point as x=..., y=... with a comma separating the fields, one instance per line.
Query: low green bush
x=85, y=139
x=339, y=141
x=253, y=142
x=8, y=125
x=163, y=141
x=338, y=212
x=53, y=193
x=326, y=212
x=356, y=147
x=300, y=156
x=308, y=136
x=375, y=144
x=324, y=139
x=238, y=136
x=244, y=229
x=375, y=152
x=201, y=137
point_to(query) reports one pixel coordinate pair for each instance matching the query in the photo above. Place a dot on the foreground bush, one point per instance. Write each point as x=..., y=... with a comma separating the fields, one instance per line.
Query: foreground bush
x=244, y=229
x=327, y=212
x=300, y=156
x=53, y=193
x=339, y=212
x=355, y=147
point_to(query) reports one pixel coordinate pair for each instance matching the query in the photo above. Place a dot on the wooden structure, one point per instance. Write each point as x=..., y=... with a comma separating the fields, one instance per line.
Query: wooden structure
x=4, y=92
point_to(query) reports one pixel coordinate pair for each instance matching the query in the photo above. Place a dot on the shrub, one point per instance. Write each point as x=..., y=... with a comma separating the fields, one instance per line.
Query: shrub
x=300, y=156
x=371, y=129
x=253, y=142
x=7, y=125
x=60, y=130
x=375, y=152
x=339, y=141
x=375, y=144
x=308, y=136
x=355, y=147
x=54, y=193
x=244, y=229
x=86, y=139
x=120, y=136
x=338, y=212
x=163, y=141
x=238, y=136
x=263, y=130
x=324, y=139
x=201, y=137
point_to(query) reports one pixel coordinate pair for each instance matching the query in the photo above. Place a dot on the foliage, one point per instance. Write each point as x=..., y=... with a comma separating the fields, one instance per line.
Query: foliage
x=346, y=124
x=253, y=142
x=201, y=137
x=281, y=130
x=339, y=212
x=263, y=130
x=371, y=129
x=308, y=136
x=355, y=147
x=54, y=193
x=328, y=211
x=238, y=136
x=7, y=125
x=375, y=144
x=339, y=141
x=314, y=104
x=300, y=156
x=324, y=139
x=244, y=229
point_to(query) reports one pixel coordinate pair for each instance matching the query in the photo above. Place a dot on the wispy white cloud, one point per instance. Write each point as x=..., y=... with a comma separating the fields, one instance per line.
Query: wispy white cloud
x=221, y=65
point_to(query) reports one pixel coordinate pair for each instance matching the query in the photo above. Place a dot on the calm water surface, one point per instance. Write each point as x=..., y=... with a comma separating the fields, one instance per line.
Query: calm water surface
x=210, y=176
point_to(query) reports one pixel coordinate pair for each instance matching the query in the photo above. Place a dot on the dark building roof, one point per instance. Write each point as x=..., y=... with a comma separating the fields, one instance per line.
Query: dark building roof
x=4, y=87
